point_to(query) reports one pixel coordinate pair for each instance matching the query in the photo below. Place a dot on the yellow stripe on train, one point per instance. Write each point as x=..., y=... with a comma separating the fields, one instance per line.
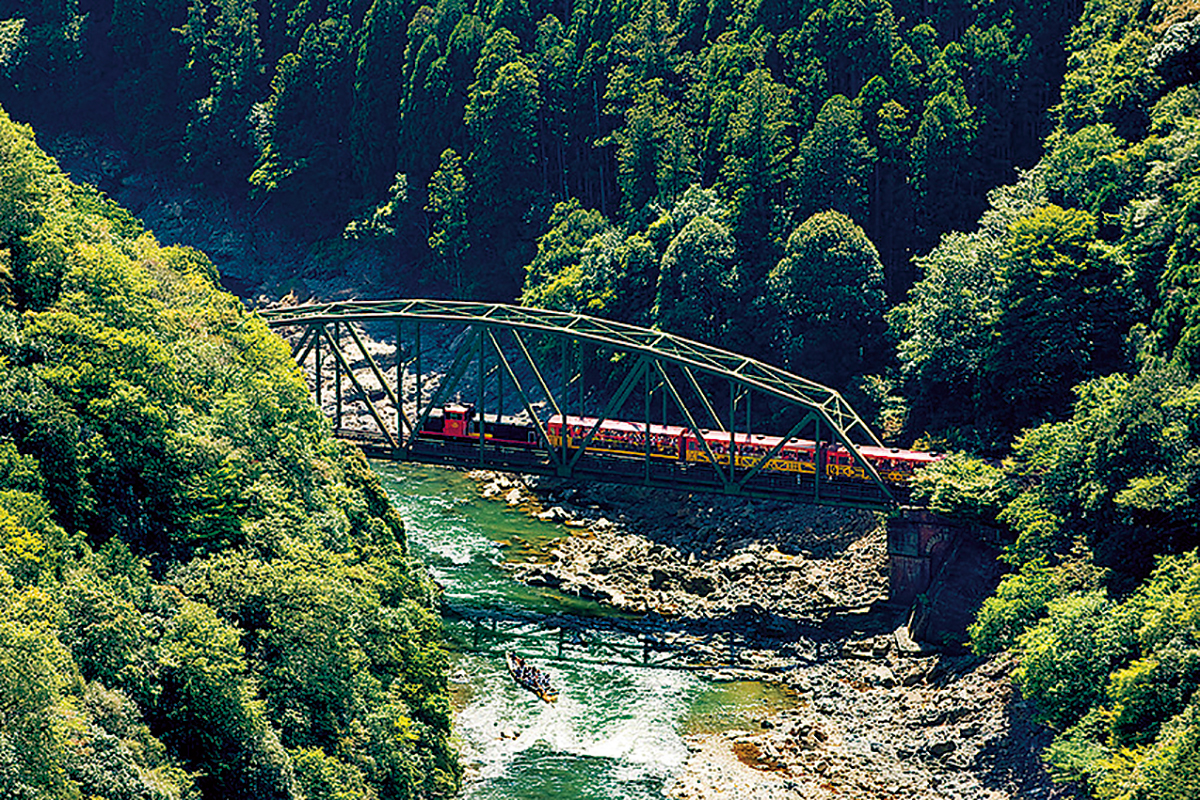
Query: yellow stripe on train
x=852, y=471
x=749, y=462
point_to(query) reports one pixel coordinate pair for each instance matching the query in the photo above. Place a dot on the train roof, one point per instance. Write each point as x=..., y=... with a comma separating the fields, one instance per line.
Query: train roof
x=621, y=425
x=895, y=452
x=742, y=439
x=868, y=451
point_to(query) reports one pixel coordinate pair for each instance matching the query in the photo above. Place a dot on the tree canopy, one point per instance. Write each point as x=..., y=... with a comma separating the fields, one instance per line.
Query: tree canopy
x=182, y=545
x=892, y=113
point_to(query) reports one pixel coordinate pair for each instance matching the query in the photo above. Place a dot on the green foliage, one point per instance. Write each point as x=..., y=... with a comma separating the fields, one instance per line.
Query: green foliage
x=1174, y=57
x=653, y=159
x=1066, y=658
x=963, y=487
x=1103, y=623
x=24, y=175
x=157, y=420
x=18, y=471
x=577, y=263
x=305, y=117
x=586, y=265
x=449, y=238
x=1169, y=770
x=1058, y=308
x=825, y=300
x=834, y=162
x=559, y=249
x=1022, y=598
x=621, y=106
x=113, y=753
x=222, y=71
x=697, y=282
x=320, y=777
x=943, y=155
x=35, y=677
x=943, y=331
x=1090, y=169
x=33, y=545
x=502, y=118
x=1076, y=753
x=151, y=427
x=328, y=632
x=756, y=151
x=1136, y=736
x=1120, y=473
x=209, y=713
x=1108, y=77
x=106, y=633
x=377, y=87
x=1172, y=232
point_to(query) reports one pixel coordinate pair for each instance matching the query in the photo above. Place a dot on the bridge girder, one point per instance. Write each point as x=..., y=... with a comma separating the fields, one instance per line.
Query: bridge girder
x=653, y=352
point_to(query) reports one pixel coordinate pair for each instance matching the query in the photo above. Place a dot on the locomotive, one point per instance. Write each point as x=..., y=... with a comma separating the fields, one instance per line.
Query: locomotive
x=674, y=443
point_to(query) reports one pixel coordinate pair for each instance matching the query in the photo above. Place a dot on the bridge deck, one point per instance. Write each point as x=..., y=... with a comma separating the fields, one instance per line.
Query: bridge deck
x=598, y=468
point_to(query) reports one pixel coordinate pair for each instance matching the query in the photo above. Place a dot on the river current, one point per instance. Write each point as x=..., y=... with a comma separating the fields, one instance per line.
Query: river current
x=616, y=732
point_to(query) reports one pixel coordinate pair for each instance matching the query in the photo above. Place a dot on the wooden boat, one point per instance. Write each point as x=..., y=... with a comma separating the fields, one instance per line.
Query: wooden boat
x=530, y=677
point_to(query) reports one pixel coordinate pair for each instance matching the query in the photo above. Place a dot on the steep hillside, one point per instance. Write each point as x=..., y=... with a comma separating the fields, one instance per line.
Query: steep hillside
x=451, y=129
x=1068, y=319
x=201, y=594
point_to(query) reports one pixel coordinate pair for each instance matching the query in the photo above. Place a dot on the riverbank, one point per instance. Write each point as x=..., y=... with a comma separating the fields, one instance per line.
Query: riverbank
x=807, y=588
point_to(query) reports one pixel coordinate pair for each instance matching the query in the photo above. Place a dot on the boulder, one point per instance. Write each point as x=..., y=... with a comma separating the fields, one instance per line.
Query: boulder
x=880, y=675
x=658, y=578
x=941, y=747
x=555, y=514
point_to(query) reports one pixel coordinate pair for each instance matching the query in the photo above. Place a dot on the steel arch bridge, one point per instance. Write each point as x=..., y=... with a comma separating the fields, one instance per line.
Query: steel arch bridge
x=528, y=364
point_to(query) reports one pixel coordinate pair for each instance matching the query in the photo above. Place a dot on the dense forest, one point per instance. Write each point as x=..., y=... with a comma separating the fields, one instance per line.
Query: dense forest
x=979, y=219
x=677, y=164
x=1067, y=322
x=201, y=593
x=448, y=132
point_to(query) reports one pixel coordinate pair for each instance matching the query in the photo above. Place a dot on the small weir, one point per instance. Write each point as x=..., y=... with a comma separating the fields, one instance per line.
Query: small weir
x=612, y=640
x=584, y=640
x=630, y=690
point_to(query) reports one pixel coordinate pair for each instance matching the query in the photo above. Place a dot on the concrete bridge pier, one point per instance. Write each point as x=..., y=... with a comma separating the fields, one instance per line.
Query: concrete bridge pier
x=941, y=570
x=919, y=545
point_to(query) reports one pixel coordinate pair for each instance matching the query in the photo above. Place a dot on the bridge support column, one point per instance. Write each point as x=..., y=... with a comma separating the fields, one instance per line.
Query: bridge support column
x=919, y=544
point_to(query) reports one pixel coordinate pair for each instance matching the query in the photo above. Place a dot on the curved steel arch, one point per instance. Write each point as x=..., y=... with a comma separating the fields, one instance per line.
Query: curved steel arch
x=824, y=405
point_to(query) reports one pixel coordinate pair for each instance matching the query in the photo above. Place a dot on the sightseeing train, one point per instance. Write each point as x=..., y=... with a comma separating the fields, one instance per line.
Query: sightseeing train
x=674, y=443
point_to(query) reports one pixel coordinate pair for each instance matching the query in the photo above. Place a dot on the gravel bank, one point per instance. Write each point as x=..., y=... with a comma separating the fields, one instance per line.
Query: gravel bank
x=807, y=588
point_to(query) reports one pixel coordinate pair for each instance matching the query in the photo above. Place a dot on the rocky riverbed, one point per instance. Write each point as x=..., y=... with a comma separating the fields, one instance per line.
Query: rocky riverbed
x=805, y=590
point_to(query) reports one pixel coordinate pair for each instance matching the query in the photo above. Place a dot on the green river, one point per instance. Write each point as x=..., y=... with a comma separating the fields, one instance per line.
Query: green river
x=617, y=732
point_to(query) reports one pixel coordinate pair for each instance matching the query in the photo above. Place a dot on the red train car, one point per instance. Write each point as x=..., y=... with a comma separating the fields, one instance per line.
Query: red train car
x=798, y=456
x=620, y=438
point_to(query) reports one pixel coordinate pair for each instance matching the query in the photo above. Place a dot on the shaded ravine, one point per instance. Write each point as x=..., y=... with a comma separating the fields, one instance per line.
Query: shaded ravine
x=616, y=731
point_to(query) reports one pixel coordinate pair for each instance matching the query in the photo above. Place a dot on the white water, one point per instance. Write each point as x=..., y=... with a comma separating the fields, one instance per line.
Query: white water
x=616, y=732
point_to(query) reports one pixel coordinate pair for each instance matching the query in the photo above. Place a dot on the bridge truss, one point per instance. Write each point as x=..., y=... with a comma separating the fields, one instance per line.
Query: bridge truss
x=531, y=364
